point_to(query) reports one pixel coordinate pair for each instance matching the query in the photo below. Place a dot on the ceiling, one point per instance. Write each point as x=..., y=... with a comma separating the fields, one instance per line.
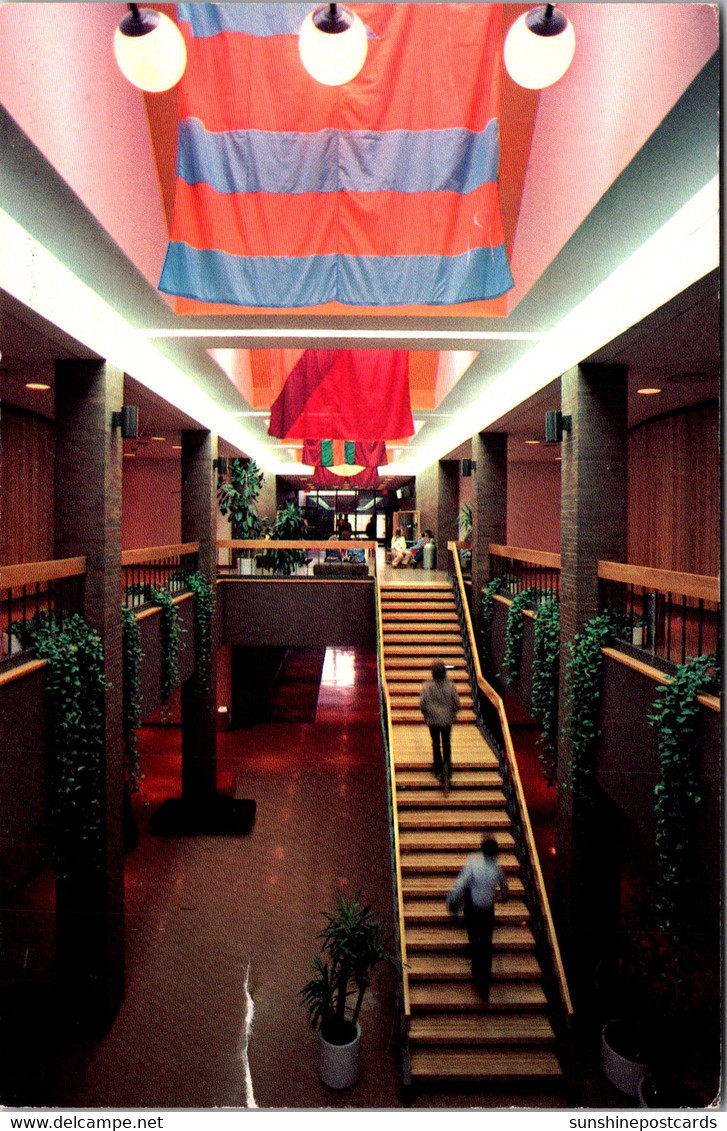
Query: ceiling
x=674, y=344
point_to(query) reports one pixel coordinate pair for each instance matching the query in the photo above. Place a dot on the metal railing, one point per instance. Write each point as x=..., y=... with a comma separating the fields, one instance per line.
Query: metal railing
x=268, y=557
x=158, y=567
x=398, y=895
x=493, y=721
x=54, y=588
x=526, y=569
x=669, y=615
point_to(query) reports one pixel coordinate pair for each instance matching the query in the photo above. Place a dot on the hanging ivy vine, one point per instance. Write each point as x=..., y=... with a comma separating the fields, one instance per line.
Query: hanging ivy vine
x=132, y=657
x=75, y=688
x=204, y=604
x=583, y=681
x=544, y=691
x=676, y=714
x=514, y=635
x=171, y=633
x=488, y=611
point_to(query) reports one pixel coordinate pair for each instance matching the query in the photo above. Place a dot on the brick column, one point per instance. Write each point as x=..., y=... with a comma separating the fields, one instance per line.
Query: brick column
x=489, y=510
x=199, y=524
x=594, y=519
x=87, y=521
x=437, y=499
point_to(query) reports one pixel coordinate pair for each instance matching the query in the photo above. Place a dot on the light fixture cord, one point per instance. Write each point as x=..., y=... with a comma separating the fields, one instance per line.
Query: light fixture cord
x=134, y=9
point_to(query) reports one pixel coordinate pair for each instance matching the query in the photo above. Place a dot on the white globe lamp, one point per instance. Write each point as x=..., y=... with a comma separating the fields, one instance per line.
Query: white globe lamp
x=150, y=50
x=332, y=45
x=539, y=47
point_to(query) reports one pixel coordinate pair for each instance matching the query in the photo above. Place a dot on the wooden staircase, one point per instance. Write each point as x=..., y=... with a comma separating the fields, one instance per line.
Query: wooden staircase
x=455, y=1037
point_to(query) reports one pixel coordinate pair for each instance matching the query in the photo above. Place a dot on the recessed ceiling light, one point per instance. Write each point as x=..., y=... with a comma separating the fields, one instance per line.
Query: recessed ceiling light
x=36, y=385
x=129, y=455
x=648, y=392
x=558, y=459
x=162, y=438
x=176, y=447
x=532, y=441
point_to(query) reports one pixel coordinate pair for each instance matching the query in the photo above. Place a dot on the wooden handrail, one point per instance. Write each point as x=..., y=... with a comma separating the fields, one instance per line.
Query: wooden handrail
x=530, y=557
x=273, y=544
x=698, y=585
x=149, y=554
x=392, y=778
x=712, y=702
x=32, y=573
x=497, y=702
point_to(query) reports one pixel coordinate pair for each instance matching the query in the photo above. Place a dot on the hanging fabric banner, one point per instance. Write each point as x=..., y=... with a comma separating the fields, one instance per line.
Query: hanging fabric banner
x=382, y=192
x=345, y=395
x=326, y=477
x=337, y=453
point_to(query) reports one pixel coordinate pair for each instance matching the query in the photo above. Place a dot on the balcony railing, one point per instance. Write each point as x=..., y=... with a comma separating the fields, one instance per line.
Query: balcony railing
x=672, y=616
x=158, y=567
x=526, y=569
x=267, y=557
x=54, y=588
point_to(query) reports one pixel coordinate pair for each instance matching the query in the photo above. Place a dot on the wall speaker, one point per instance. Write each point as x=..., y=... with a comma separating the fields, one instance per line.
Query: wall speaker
x=221, y=464
x=555, y=425
x=128, y=421
x=468, y=466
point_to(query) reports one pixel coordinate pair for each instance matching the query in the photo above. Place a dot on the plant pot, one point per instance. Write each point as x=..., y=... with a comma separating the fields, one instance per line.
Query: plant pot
x=244, y=566
x=623, y=1056
x=637, y=636
x=338, y=1065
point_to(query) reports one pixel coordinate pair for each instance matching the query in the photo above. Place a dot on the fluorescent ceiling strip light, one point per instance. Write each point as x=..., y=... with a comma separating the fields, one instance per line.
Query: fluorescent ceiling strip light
x=36, y=278
x=682, y=251
x=342, y=335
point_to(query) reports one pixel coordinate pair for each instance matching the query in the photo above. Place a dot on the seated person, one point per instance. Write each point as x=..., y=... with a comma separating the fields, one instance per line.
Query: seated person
x=417, y=550
x=399, y=553
x=333, y=555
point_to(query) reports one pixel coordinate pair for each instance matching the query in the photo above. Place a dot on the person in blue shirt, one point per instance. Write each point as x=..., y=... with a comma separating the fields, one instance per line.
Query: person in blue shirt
x=476, y=889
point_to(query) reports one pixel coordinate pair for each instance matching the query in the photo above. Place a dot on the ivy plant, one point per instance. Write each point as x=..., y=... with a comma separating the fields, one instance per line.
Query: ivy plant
x=583, y=682
x=75, y=688
x=132, y=657
x=488, y=611
x=171, y=632
x=544, y=691
x=204, y=604
x=676, y=714
x=514, y=635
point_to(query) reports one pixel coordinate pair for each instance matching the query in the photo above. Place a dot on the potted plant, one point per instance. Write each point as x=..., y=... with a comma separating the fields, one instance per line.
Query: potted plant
x=237, y=499
x=289, y=526
x=352, y=945
x=638, y=631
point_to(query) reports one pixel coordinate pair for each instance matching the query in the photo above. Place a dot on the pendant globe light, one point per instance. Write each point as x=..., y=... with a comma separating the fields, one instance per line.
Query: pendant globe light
x=539, y=47
x=150, y=50
x=332, y=45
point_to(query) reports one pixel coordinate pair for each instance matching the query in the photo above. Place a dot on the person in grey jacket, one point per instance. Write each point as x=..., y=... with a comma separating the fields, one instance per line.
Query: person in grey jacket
x=476, y=889
x=439, y=703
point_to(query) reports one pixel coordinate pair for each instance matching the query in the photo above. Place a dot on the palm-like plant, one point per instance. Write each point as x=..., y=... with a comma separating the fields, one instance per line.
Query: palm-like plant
x=465, y=522
x=353, y=944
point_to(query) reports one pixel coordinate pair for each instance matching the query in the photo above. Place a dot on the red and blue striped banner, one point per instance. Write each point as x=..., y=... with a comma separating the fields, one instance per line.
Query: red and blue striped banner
x=381, y=192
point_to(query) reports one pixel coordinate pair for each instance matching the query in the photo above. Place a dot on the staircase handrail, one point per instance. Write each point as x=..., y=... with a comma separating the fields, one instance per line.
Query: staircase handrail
x=533, y=858
x=406, y=1003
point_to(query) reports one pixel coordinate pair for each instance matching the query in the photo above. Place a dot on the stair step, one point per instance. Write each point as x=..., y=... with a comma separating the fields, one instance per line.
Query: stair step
x=409, y=715
x=481, y=1029
x=462, y=996
x=421, y=758
x=424, y=779
x=463, y=841
x=419, y=667
x=436, y=887
x=447, y=864
x=448, y=937
x=484, y=1064
x=481, y=819
x=460, y=797
x=433, y=617
x=433, y=912
x=456, y=967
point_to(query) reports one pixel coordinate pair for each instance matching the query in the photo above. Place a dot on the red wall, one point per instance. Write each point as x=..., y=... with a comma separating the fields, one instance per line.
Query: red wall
x=533, y=506
x=151, y=503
